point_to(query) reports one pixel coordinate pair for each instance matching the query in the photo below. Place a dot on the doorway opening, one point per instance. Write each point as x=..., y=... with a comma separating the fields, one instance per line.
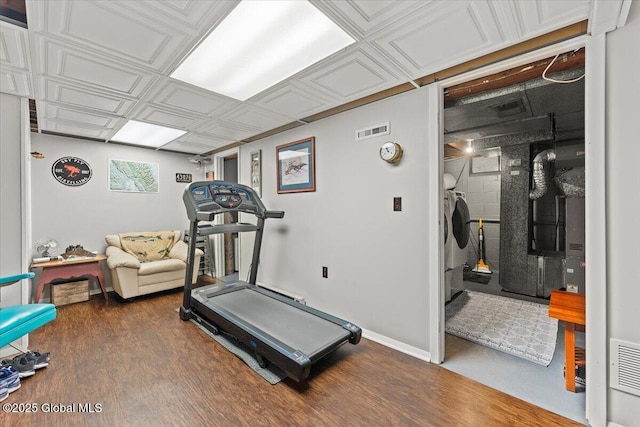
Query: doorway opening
x=227, y=245
x=514, y=181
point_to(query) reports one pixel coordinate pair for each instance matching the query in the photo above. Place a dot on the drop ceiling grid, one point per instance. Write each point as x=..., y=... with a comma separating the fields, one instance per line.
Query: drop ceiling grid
x=352, y=74
x=454, y=33
x=83, y=98
x=293, y=99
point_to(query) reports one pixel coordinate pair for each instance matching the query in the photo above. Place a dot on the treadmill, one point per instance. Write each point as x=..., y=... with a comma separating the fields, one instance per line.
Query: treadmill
x=279, y=330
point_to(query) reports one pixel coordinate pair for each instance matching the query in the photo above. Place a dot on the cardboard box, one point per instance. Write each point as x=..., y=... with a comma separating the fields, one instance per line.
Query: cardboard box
x=69, y=292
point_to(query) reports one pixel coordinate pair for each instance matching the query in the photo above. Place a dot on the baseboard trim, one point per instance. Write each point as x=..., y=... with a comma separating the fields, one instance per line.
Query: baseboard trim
x=397, y=345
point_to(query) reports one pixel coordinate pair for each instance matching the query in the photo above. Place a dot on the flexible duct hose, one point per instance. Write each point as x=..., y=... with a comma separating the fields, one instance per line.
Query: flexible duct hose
x=540, y=179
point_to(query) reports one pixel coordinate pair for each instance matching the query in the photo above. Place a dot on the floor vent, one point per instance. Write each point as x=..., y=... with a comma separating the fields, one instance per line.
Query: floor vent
x=377, y=130
x=625, y=366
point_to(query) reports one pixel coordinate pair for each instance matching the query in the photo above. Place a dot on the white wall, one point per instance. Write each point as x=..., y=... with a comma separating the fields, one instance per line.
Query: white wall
x=10, y=197
x=623, y=212
x=376, y=257
x=85, y=214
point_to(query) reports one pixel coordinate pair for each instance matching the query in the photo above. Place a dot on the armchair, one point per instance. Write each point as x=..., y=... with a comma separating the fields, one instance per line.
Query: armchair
x=146, y=262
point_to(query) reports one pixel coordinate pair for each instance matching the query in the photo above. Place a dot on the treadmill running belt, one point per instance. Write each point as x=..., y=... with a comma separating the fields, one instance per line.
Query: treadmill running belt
x=299, y=329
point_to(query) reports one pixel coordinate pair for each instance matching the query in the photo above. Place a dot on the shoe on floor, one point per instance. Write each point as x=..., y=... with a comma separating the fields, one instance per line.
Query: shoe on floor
x=4, y=393
x=21, y=365
x=40, y=360
x=9, y=379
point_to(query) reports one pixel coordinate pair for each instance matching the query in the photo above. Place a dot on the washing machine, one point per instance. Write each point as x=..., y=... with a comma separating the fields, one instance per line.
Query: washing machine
x=456, y=235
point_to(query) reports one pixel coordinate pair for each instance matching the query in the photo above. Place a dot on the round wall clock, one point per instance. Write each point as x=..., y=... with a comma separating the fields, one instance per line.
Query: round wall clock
x=71, y=171
x=391, y=152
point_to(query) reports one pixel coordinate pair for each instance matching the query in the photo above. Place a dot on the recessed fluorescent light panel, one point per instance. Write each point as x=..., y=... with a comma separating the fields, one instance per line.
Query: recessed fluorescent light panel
x=139, y=133
x=259, y=44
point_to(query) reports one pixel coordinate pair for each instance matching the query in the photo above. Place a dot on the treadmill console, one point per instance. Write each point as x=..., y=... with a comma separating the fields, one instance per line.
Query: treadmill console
x=213, y=197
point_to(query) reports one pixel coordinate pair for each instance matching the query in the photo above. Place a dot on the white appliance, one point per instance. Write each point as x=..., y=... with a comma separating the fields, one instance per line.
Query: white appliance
x=457, y=231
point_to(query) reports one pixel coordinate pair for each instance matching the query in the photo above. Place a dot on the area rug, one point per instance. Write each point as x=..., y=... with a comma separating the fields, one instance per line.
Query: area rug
x=271, y=373
x=519, y=328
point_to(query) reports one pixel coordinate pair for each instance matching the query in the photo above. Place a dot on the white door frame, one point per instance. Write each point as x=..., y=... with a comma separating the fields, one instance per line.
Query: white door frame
x=595, y=224
x=218, y=243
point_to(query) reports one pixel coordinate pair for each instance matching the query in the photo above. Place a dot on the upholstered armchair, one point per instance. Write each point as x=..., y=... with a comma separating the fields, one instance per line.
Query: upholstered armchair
x=146, y=262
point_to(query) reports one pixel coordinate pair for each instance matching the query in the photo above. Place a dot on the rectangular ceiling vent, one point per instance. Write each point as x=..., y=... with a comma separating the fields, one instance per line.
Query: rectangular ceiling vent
x=377, y=130
x=625, y=366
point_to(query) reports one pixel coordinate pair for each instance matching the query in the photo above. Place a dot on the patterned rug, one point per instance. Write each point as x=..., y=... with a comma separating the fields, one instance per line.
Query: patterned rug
x=519, y=328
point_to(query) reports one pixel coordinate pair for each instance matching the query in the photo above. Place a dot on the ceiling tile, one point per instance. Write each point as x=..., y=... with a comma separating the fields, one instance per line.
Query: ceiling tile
x=14, y=46
x=539, y=17
x=227, y=131
x=356, y=72
x=294, y=100
x=60, y=113
x=254, y=118
x=195, y=144
x=365, y=17
x=77, y=66
x=15, y=82
x=61, y=92
x=50, y=125
x=152, y=114
x=174, y=94
x=102, y=27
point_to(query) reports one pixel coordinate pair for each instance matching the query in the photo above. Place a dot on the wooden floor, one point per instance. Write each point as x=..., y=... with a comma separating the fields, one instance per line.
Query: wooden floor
x=138, y=364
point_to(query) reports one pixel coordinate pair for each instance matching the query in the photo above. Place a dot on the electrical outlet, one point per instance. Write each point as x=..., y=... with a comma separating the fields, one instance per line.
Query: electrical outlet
x=325, y=272
x=397, y=204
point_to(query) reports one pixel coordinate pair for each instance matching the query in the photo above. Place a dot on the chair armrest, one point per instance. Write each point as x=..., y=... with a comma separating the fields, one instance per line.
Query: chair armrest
x=9, y=280
x=116, y=257
x=181, y=251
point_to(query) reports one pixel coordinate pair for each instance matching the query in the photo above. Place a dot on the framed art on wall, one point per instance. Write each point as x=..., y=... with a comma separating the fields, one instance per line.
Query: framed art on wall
x=133, y=177
x=256, y=172
x=296, y=166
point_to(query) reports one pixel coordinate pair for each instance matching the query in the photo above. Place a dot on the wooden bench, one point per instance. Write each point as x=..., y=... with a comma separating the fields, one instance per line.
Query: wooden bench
x=570, y=308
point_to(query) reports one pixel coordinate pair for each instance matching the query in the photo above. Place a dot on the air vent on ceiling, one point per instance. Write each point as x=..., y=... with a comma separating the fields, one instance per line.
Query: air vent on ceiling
x=377, y=130
x=509, y=108
x=625, y=366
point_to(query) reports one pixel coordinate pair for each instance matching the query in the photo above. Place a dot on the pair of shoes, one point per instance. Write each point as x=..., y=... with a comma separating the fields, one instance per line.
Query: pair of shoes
x=20, y=364
x=27, y=363
x=40, y=360
x=9, y=382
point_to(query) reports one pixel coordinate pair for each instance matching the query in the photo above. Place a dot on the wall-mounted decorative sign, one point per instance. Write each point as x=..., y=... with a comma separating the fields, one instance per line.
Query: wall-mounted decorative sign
x=296, y=166
x=183, y=177
x=256, y=172
x=133, y=177
x=71, y=171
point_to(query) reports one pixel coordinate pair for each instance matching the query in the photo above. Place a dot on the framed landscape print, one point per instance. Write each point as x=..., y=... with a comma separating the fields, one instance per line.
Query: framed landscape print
x=296, y=166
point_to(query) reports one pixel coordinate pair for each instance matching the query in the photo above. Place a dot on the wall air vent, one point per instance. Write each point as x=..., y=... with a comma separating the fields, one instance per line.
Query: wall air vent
x=625, y=366
x=377, y=130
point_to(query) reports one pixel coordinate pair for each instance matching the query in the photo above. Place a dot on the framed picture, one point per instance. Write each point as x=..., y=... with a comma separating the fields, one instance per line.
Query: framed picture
x=133, y=177
x=256, y=172
x=296, y=166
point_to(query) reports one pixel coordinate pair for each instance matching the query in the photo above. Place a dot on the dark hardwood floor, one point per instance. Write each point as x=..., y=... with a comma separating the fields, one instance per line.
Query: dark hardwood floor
x=144, y=366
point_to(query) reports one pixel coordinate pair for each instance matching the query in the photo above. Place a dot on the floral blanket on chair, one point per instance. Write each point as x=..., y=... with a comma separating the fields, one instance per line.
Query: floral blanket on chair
x=148, y=247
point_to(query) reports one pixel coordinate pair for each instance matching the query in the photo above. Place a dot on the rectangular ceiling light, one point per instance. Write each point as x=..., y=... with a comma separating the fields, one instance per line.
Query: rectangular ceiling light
x=259, y=44
x=146, y=134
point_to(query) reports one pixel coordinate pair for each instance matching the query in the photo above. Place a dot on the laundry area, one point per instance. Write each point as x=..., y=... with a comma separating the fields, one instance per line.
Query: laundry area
x=514, y=184
x=514, y=218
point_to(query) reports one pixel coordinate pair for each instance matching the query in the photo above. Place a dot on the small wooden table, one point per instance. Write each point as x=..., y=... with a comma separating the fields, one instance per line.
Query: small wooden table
x=570, y=308
x=73, y=269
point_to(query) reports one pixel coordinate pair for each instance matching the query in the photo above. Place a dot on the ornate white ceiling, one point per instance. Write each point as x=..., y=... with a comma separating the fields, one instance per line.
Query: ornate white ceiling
x=93, y=65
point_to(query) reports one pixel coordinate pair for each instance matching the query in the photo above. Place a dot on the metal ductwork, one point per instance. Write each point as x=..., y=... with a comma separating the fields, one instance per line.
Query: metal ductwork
x=540, y=175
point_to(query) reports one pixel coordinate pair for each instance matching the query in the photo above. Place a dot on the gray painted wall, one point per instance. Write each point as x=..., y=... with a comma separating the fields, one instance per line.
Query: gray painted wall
x=623, y=211
x=376, y=257
x=10, y=197
x=85, y=214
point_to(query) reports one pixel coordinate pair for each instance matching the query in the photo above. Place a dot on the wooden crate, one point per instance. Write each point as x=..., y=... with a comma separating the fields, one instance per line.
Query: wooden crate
x=70, y=292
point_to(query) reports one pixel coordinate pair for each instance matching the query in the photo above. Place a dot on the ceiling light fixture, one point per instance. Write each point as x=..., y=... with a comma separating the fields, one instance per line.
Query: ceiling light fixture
x=469, y=148
x=259, y=44
x=146, y=134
